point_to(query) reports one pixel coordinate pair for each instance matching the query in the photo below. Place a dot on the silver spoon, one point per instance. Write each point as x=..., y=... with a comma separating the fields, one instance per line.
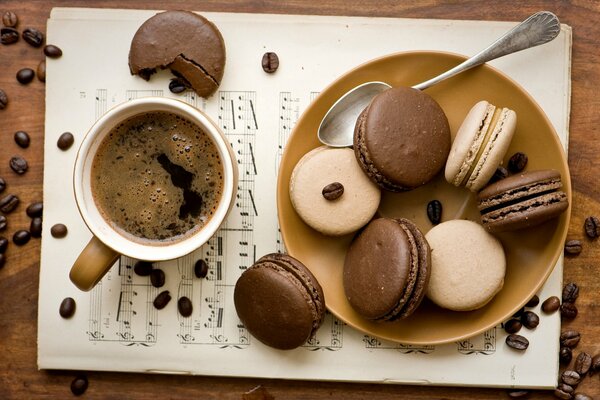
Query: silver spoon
x=337, y=127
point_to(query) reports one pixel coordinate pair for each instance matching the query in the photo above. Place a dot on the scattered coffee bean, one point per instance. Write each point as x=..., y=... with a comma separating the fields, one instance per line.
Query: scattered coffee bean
x=21, y=237
x=32, y=36
x=434, y=211
x=595, y=363
x=500, y=174
x=573, y=247
x=568, y=310
x=3, y=244
x=52, y=51
x=67, y=307
x=583, y=363
x=2, y=260
x=3, y=99
x=18, y=165
x=592, y=227
x=564, y=391
x=565, y=355
x=65, y=141
x=570, y=377
x=270, y=62
x=201, y=269
x=570, y=293
x=518, y=394
x=517, y=162
x=178, y=85
x=512, y=326
x=519, y=313
x=157, y=278
x=8, y=203
x=570, y=338
x=535, y=300
x=41, y=71
x=333, y=191
x=162, y=300
x=2, y=185
x=59, y=231
x=10, y=19
x=9, y=36
x=517, y=342
x=35, y=209
x=79, y=385
x=35, y=227
x=142, y=268
x=22, y=139
x=581, y=396
x=530, y=320
x=25, y=75
x=551, y=304
x=3, y=223
x=184, y=305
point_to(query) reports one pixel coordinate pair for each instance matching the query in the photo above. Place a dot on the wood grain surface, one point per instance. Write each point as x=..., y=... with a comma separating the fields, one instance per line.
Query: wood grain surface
x=19, y=376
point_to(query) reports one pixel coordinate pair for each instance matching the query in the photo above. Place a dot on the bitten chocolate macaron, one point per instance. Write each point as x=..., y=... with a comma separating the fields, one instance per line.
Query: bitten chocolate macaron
x=523, y=200
x=187, y=43
x=386, y=270
x=480, y=145
x=279, y=301
x=402, y=139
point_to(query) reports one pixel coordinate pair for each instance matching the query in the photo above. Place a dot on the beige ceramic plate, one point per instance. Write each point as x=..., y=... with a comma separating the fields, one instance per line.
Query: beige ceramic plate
x=531, y=254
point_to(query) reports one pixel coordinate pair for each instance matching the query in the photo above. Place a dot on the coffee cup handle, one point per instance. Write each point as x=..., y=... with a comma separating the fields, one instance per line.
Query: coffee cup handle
x=92, y=264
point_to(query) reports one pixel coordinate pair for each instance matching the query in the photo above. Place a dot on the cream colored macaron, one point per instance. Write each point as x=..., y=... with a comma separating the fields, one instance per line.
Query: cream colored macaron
x=468, y=265
x=480, y=145
x=347, y=213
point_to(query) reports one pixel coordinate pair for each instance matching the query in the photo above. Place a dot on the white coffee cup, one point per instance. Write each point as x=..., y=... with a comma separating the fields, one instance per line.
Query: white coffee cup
x=107, y=244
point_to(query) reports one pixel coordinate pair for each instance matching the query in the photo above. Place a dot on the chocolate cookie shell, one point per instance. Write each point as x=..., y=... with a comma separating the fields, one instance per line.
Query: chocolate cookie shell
x=185, y=42
x=402, y=139
x=279, y=301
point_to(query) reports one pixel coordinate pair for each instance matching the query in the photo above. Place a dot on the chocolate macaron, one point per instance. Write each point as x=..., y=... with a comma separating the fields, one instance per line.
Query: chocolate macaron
x=522, y=200
x=279, y=301
x=387, y=269
x=402, y=139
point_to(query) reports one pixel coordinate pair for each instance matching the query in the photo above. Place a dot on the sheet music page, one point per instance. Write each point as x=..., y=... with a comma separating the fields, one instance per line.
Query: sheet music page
x=116, y=326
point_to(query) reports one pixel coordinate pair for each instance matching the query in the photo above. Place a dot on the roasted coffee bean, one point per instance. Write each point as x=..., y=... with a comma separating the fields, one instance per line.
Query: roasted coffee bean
x=564, y=391
x=184, y=305
x=573, y=247
x=25, y=75
x=570, y=377
x=583, y=363
x=530, y=320
x=22, y=139
x=59, y=231
x=18, y=164
x=565, y=355
x=36, y=227
x=162, y=300
x=34, y=37
x=500, y=174
x=535, y=300
x=8, y=203
x=157, y=278
x=570, y=293
x=270, y=62
x=595, y=362
x=9, y=35
x=10, y=19
x=3, y=223
x=142, y=268
x=568, y=310
x=21, y=237
x=2, y=185
x=434, y=211
x=3, y=244
x=201, y=269
x=517, y=342
x=35, y=209
x=581, y=396
x=333, y=191
x=512, y=326
x=3, y=99
x=41, y=71
x=518, y=394
x=52, y=51
x=551, y=304
x=519, y=313
x=517, y=162
x=67, y=307
x=79, y=385
x=65, y=141
x=2, y=260
x=592, y=227
x=570, y=338
x=178, y=85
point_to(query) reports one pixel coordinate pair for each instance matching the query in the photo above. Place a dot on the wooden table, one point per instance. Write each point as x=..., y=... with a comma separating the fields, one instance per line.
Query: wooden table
x=19, y=377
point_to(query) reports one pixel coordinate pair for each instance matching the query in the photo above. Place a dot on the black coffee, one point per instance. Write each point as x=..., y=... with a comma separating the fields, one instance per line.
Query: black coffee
x=157, y=177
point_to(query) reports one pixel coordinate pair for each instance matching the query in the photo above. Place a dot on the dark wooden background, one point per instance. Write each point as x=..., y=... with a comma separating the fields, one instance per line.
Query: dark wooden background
x=19, y=377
